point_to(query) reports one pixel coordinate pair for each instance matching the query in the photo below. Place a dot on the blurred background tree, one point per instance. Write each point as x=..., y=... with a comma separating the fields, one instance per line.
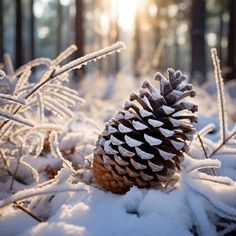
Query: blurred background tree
x=158, y=33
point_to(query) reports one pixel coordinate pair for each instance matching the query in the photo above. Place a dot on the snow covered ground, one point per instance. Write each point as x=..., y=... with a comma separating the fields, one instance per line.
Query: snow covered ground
x=199, y=201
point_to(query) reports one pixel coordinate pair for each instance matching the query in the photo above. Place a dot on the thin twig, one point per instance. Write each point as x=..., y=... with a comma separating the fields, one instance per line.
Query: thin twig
x=4, y=160
x=205, y=153
x=16, y=169
x=222, y=144
x=27, y=212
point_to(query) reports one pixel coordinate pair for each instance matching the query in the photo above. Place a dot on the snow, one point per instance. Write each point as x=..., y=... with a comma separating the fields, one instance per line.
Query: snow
x=115, y=141
x=124, y=152
x=111, y=129
x=151, y=140
x=177, y=145
x=132, y=142
x=72, y=204
x=155, y=123
x=137, y=165
x=139, y=125
x=144, y=155
x=144, y=113
x=167, y=133
x=123, y=129
x=96, y=212
x=16, y=118
x=108, y=149
x=166, y=155
x=154, y=167
x=167, y=110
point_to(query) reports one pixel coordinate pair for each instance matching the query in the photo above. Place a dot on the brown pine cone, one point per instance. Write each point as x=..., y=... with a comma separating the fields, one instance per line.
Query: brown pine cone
x=143, y=144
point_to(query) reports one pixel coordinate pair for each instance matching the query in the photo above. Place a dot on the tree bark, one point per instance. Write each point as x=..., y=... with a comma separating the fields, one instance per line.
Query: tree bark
x=18, y=37
x=79, y=32
x=32, y=30
x=231, y=58
x=59, y=26
x=198, y=64
x=137, y=45
x=1, y=32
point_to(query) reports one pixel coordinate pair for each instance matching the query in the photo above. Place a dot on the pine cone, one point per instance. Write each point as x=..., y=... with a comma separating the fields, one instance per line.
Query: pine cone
x=143, y=144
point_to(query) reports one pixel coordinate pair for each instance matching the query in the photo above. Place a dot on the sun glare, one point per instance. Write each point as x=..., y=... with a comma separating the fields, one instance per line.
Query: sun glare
x=126, y=10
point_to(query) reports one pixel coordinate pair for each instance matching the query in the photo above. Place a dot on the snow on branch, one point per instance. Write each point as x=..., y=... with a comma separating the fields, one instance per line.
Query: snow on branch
x=16, y=118
x=219, y=207
x=56, y=151
x=36, y=62
x=32, y=192
x=202, y=164
x=89, y=58
x=22, y=79
x=71, y=49
x=11, y=98
x=205, y=130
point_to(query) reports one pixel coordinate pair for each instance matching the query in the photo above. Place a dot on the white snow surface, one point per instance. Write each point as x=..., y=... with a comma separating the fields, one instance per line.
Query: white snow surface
x=96, y=212
x=139, y=212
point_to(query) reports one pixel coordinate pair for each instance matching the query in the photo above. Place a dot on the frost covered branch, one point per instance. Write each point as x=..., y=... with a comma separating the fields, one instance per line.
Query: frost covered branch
x=220, y=93
x=56, y=152
x=28, y=193
x=89, y=58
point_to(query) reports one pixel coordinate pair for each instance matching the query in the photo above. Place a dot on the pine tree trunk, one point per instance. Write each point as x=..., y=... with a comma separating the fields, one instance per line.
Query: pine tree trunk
x=117, y=55
x=198, y=65
x=137, y=45
x=59, y=26
x=231, y=59
x=1, y=31
x=32, y=52
x=18, y=37
x=79, y=33
x=220, y=33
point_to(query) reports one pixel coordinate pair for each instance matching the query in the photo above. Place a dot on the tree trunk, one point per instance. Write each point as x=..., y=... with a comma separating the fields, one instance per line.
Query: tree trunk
x=32, y=52
x=231, y=58
x=1, y=31
x=18, y=37
x=59, y=26
x=137, y=45
x=198, y=65
x=79, y=33
x=220, y=32
x=117, y=55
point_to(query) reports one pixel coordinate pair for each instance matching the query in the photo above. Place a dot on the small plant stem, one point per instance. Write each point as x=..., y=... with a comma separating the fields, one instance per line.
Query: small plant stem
x=14, y=174
x=222, y=144
x=205, y=153
x=27, y=212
